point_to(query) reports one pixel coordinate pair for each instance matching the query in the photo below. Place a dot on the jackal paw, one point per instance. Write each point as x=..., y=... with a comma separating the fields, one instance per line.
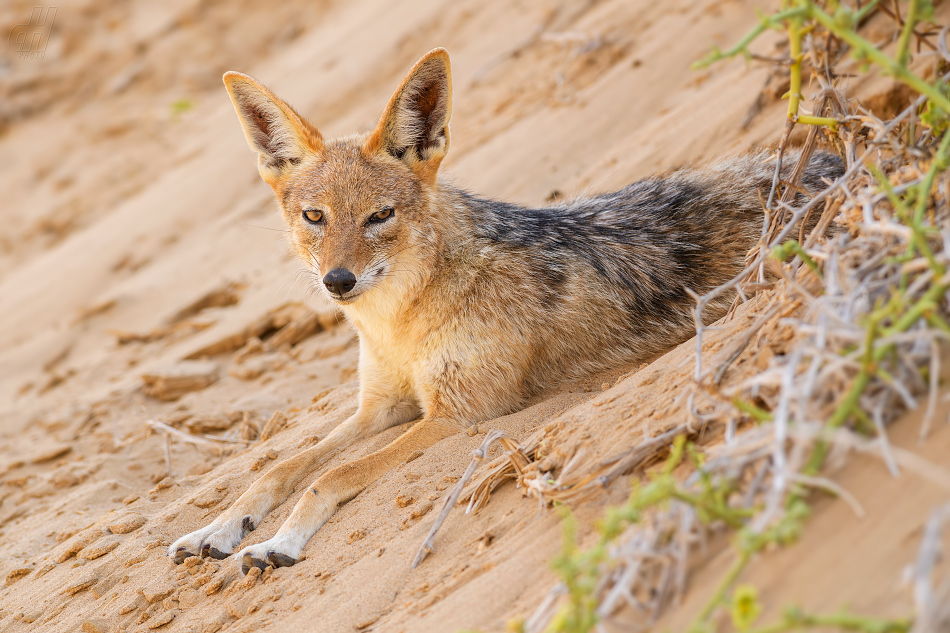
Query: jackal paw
x=276, y=552
x=216, y=540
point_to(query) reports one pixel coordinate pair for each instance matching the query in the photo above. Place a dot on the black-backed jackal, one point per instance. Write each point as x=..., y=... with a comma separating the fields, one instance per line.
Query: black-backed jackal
x=466, y=307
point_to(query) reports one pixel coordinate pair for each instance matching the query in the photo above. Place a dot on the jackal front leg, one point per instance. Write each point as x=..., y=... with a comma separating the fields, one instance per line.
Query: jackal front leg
x=221, y=536
x=338, y=486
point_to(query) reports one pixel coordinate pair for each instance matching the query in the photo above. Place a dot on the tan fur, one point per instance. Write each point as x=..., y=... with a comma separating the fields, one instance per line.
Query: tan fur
x=463, y=310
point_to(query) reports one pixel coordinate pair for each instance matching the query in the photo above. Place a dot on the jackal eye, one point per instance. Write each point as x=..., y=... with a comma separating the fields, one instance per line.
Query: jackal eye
x=382, y=215
x=313, y=216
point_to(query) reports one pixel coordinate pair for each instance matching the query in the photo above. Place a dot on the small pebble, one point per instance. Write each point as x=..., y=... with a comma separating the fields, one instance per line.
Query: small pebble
x=214, y=586
x=166, y=482
x=103, y=586
x=84, y=582
x=162, y=620
x=207, y=498
x=77, y=543
x=259, y=463
x=100, y=548
x=422, y=510
x=126, y=523
x=48, y=454
x=234, y=610
x=17, y=574
x=198, y=581
x=252, y=575
x=191, y=561
x=30, y=616
x=188, y=598
x=157, y=591
x=129, y=607
x=148, y=613
x=97, y=625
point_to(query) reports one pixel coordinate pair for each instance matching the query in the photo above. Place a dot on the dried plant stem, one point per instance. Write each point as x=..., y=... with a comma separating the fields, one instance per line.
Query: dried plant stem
x=719, y=597
x=902, y=56
x=742, y=47
x=896, y=69
x=792, y=247
x=796, y=29
x=477, y=456
x=794, y=620
x=852, y=333
x=171, y=431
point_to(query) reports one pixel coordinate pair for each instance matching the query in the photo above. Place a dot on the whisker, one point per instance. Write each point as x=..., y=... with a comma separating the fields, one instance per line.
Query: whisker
x=266, y=228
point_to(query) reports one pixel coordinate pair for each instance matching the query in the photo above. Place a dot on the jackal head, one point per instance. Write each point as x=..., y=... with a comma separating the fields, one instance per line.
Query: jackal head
x=358, y=207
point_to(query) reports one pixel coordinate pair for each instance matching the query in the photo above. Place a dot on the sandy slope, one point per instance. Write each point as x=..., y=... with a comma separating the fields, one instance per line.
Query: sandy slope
x=137, y=233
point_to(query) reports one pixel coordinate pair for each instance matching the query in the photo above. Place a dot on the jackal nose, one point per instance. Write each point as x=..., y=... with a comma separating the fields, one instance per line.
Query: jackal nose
x=339, y=281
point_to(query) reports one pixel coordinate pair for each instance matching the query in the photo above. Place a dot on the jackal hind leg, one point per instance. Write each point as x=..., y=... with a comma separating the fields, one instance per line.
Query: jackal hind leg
x=338, y=486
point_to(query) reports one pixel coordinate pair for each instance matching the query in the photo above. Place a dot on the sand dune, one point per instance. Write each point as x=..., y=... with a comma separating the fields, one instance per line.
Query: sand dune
x=137, y=235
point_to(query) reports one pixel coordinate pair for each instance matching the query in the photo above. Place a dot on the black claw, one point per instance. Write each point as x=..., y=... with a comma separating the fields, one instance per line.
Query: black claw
x=180, y=555
x=280, y=560
x=247, y=525
x=248, y=561
x=218, y=554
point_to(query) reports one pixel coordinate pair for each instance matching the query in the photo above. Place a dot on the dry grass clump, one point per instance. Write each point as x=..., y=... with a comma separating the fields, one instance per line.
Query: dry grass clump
x=850, y=319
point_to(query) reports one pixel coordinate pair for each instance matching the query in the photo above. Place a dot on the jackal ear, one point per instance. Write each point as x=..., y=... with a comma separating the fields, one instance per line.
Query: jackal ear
x=273, y=129
x=415, y=125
